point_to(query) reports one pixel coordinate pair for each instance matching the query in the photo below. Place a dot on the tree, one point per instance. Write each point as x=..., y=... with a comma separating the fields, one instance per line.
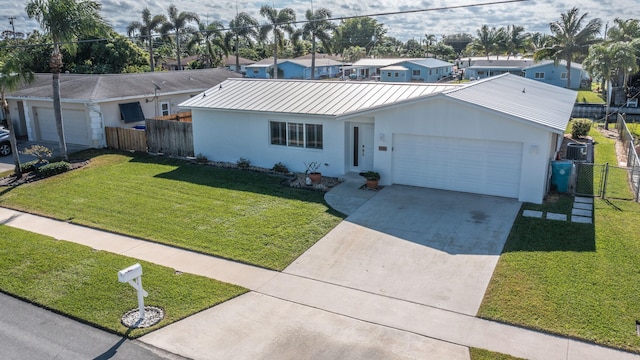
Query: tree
x=486, y=41
x=244, y=27
x=65, y=21
x=146, y=28
x=278, y=23
x=429, y=39
x=458, y=42
x=112, y=56
x=364, y=32
x=12, y=72
x=515, y=40
x=318, y=27
x=536, y=41
x=354, y=54
x=178, y=23
x=214, y=42
x=569, y=39
x=624, y=30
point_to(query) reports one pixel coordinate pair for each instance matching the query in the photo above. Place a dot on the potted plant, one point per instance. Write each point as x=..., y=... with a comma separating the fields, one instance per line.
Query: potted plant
x=312, y=172
x=372, y=178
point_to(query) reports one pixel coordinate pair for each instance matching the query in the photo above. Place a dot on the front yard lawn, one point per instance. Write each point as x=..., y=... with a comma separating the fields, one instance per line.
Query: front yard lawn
x=240, y=215
x=589, y=97
x=578, y=280
x=82, y=283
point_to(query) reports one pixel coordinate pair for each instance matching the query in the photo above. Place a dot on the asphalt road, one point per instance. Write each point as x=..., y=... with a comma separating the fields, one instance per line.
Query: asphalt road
x=30, y=332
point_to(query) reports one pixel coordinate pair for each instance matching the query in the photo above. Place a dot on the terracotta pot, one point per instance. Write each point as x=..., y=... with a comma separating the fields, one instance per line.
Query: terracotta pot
x=315, y=177
x=372, y=184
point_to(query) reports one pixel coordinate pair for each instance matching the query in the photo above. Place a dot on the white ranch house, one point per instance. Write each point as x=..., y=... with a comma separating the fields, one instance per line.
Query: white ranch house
x=495, y=136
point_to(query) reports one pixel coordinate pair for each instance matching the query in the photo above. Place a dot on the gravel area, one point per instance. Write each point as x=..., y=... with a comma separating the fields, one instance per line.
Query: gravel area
x=152, y=316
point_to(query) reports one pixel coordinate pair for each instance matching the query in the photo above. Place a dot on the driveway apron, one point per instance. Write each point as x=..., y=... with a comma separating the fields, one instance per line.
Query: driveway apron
x=431, y=247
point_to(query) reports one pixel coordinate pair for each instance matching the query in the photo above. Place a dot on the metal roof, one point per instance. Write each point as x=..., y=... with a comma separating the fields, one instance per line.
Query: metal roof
x=429, y=62
x=329, y=98
x=94, y=87
x=394, y=67
x=531, y=100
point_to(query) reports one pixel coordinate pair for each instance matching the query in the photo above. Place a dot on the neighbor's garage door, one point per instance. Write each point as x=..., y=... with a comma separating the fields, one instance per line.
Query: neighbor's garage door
x=476, y=166
x=75, y=126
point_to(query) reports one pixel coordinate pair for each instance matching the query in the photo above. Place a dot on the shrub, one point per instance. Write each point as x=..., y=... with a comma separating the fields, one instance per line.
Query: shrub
x=201, y=159
x=54, y=168
x=243, y=163
x=29, y=166
x=39, y=151
x=580, y=128
x=280, y=167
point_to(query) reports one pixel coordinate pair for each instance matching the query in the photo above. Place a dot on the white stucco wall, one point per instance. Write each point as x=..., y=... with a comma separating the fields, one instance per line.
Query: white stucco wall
x=448, y=118
x=229, y=136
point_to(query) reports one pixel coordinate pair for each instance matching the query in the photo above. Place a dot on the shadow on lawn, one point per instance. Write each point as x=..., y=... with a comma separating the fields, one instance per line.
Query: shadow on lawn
x=531, y=234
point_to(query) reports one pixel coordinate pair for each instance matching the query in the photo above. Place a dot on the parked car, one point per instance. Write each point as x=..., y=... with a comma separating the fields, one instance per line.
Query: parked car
x=5, y=145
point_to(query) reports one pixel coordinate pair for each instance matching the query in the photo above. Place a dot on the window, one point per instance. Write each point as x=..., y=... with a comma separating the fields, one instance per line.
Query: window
x=389, y=74
x=313, y=136
x=563, y=76
x=437, y=71
x=296, y=134
x=539, y=75
x=131, y=112
x=255, y=71
x=415, y=73
x=430, y=71
x=165, y=108
x=396, y=74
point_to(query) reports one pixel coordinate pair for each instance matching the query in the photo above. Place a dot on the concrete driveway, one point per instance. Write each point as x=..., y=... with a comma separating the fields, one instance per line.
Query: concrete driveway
x=6, y=162
x=432, y=247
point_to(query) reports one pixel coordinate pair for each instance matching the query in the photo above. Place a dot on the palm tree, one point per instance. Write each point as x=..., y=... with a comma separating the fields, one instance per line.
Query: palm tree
x=487, y=40
x=278, y=22
x=515, y=40
x=624, y=30
x=146, y=28
x=213, y=38
x=429, y=39
x=65, y=21
x=12, y=72
x=245, y=27
x=569, y=39
x=178, y=23
x=611, y=61
x=318, y=27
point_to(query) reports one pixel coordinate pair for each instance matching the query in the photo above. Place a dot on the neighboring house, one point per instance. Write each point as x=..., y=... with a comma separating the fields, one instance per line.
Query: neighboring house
x=172, y=64
x=545, y=71
x=91, y=102
x=418, y=70
x=261, y=69
x=230, y=63
x=482, y=137
x=301, y=69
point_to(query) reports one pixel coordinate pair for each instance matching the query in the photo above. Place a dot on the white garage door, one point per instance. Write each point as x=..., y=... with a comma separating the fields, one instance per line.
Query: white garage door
x=476, y=166
x=75, y=126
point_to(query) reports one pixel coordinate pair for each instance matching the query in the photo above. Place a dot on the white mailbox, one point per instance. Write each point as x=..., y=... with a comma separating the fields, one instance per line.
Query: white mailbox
x=130, y=273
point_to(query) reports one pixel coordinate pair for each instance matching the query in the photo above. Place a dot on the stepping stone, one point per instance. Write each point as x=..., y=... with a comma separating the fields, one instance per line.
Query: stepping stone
x=555, y=216
x=581, y=212
x=580, y=219
x=582, y=206
x=532, y=213
x=584, y=200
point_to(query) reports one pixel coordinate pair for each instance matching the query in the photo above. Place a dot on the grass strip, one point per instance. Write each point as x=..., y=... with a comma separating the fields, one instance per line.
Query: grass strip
x=82, y=283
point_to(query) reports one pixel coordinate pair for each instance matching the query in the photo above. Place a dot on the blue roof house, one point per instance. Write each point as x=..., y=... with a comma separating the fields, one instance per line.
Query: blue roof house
x=416, y=70
x=547, y=72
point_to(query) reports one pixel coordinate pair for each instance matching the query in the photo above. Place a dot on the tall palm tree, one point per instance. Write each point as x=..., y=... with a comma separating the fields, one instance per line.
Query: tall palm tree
x=65, y=21
x=146, y=28
x=318, y=27
x=624, y=30
x=486, y=41
x=569, y=39
x=429, y=39
x=213, y=38
x=12, y=72
x=178, y=23
x=244, y=27
x=278, y=22
x=515, y=40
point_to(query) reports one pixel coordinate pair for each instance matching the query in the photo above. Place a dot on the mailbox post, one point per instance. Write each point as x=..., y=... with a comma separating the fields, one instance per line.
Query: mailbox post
x=133, y=276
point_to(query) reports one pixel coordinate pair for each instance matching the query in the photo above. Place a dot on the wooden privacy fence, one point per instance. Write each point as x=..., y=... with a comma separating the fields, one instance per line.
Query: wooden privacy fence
x=173, y=138
x=126, y=139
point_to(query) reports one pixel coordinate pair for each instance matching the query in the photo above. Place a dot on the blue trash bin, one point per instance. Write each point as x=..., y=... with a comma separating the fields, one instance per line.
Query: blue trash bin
x=561, y=174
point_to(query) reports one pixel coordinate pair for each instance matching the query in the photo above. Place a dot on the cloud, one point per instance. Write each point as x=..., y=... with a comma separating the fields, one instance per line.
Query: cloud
x=533, y=15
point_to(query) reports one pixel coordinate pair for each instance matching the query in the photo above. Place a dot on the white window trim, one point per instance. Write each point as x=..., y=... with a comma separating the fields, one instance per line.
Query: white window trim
x=162, y=112
x=304, y=135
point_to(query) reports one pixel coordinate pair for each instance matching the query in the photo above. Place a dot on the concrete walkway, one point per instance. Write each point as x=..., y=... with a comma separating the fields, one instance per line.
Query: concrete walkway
x=434, y=331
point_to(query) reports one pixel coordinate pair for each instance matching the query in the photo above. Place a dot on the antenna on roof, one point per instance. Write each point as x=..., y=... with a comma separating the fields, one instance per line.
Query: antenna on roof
x=523, y=90
x=204, y=94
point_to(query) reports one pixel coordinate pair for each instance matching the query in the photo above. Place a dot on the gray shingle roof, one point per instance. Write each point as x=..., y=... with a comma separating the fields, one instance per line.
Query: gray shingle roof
x=93, y=87
x=332, y=98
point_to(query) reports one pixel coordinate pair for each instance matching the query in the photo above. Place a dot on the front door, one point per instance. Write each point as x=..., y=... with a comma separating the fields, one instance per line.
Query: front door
x=362, y=147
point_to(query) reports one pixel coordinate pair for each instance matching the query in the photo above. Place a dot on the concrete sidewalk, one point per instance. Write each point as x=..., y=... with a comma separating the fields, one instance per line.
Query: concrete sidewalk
x=347, y=303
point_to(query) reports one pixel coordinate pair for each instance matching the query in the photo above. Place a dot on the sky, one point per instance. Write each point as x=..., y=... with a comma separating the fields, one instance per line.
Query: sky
x=533, y=15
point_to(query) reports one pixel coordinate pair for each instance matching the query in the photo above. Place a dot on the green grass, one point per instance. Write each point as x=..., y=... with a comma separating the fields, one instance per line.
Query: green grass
x=240, y=215
x=589, y=97
x=82, y=283
x=481, y=354
x=578, y=280
x=617, y=179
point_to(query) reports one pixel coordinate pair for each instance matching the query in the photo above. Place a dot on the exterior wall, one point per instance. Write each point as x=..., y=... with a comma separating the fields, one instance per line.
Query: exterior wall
x=553, y=75
x=395, y=75
x=429, y=75
x=482, y=73
x=258, y=72
x=228, y=136
x=294, y=71
x=447, y=118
